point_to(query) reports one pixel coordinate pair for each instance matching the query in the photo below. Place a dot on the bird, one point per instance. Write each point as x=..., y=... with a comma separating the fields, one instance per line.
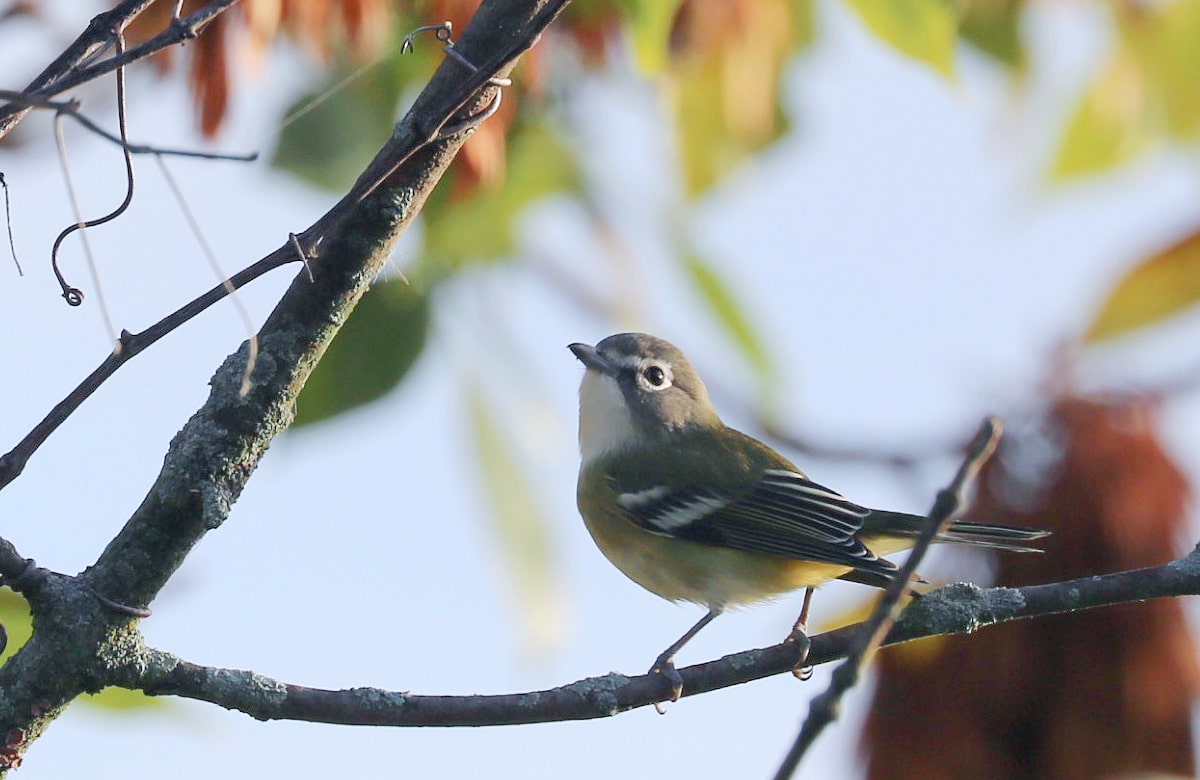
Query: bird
x=695, y=511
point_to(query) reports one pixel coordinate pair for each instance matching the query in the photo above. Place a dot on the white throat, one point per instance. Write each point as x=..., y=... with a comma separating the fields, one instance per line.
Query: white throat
x=605, y=425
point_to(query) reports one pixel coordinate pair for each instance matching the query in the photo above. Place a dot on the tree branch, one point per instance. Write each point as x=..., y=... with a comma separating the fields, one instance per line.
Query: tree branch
x=69, y=69
x=81, y=645
x=445, y=99
x=954, y=609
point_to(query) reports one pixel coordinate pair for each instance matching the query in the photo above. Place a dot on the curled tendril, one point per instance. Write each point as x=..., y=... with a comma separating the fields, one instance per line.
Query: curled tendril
x=444, y=32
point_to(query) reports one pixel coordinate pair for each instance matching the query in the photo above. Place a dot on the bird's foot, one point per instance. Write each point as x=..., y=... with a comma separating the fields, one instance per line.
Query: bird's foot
x=799, y=637
x=664, y=666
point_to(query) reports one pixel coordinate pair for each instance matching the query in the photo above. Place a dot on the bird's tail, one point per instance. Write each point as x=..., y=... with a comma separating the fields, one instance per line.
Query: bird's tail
x=1001, y=537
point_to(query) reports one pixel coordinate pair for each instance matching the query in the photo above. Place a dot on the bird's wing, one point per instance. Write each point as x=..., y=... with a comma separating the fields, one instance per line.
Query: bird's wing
x=785, y=514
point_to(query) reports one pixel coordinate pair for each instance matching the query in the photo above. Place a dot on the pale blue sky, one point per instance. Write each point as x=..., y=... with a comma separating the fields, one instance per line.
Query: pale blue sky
x=909, y=267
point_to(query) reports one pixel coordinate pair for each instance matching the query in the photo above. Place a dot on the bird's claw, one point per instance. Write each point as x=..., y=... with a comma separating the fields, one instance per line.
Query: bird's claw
x=665, y=668
x=800, y=638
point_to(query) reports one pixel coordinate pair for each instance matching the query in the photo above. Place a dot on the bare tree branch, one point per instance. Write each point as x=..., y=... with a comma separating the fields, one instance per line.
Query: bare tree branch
x=71, y=108
x=71, y=68
x=954, y=609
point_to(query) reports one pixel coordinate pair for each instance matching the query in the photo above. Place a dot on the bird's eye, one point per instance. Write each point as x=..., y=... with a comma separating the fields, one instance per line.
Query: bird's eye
x=654, y=376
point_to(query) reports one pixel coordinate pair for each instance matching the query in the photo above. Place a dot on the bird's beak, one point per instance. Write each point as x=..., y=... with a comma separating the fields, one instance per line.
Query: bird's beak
x=588, y=355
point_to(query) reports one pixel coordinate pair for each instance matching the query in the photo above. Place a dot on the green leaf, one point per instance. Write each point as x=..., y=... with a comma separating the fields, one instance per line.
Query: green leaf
x=1148, y=92
x=345, y=122
x=994, y=27
x=520, y=527
x=731, y=315
x=1108, y=127
x=650, y=23
x=14, y=616
x=371, y=354
x=804, y=22
x=726, y=90
x=1169, y=48
x=1160, y=286
x=482, y=227
x=124, y=700
x=925, y=30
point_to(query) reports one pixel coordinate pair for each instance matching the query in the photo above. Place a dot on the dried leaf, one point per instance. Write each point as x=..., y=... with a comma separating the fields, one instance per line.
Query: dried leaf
x=210, y=75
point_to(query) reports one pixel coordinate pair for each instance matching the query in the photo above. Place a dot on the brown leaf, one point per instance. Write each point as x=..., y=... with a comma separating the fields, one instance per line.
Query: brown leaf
x=1070, y=697
x=317, y=25
x=209, y=76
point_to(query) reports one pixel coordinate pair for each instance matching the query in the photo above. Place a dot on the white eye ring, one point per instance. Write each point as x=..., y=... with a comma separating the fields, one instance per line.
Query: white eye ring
x=653, y=376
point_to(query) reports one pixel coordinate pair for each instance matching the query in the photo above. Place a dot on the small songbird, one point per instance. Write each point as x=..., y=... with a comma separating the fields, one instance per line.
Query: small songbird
x=693, y=510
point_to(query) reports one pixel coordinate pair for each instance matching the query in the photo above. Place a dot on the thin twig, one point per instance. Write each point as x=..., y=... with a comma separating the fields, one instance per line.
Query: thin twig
x=74, y=296
x=69, y=70
x=8, y=225
x=72, y=109
x=950, y=503
x=97, y=35
x=129, y=344
x=303, y=246
x=178, y=31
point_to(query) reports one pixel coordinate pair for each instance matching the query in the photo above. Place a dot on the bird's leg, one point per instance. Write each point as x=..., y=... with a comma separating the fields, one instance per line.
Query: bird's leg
x=799, y=635
x=665, y=663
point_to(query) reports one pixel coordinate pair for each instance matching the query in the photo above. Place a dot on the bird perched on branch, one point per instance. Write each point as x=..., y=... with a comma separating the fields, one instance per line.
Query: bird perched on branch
x=693, y=510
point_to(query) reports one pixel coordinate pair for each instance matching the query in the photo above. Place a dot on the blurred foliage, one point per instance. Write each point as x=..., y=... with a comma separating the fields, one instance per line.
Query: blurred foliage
x=714, y=69
x=994, y=27
x=1162, y=285
x=1101, y=693
x=481, y=227
x=722, y=80
x=14, y=615
x=1148, y=92
x=370, y=355
x=729, y=312
x=520, y=524
x=926, y=30
x=331, y=133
